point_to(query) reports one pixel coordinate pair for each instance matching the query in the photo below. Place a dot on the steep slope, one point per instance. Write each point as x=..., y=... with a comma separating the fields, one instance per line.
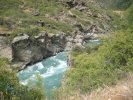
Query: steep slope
x=34, y=16
x=91, y=68
x=116, y=4
x=94, y=68
x=74, y=18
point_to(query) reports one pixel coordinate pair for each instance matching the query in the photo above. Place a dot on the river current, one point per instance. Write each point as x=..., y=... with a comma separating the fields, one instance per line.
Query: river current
x=50, y=70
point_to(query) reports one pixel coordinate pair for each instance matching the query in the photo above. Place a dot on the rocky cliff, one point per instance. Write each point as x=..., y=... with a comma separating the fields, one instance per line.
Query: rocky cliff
x=37, y=30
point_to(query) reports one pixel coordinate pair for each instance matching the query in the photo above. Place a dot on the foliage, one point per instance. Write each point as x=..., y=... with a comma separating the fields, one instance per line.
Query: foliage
x=18, y=16
x=116, y=4
x=89, y=71
x=95, y=68
x=91, y=67
x=10, y=88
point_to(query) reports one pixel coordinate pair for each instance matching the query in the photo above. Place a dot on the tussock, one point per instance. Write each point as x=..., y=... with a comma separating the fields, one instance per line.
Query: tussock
x=122, y=91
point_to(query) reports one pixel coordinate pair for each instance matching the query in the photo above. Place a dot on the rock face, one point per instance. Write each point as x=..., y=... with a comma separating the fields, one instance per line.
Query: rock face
x=32, y=49
x=78, y=40
x=74, y=3
x=29, y=50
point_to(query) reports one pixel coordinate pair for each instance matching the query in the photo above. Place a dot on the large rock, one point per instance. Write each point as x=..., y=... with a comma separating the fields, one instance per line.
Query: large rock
x=20, y=38
x=72, y=41
x=33, y=49
x=27, y=50
x=74, y=3
x=69, y=46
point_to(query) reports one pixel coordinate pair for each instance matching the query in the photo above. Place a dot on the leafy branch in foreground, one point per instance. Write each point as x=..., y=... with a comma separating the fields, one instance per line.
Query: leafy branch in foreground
x=10, y=89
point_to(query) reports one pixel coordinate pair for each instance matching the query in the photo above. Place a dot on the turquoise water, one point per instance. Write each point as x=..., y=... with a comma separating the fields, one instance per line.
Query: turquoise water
x=50, y=70
x=93, y=43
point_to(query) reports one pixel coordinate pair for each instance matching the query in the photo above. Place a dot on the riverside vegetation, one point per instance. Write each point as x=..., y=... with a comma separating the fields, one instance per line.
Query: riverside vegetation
x=10, y=89
x=91, y=67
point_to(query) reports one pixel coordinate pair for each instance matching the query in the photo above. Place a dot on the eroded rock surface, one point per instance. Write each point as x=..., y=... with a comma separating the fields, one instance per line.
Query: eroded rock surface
x=33, y=49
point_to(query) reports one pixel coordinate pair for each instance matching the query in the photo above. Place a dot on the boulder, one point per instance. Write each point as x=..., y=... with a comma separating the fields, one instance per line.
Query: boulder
x=78, y=40
x=73, y=3
x=36, y=13
x=69, y=39
x=69, y=46
x=40, y=23
x=60, y=40
x=27, y=50
x=20, y=38
x=30, y=50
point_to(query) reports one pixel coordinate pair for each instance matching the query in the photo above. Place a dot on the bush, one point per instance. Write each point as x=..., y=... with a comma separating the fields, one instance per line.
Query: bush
x=106, y=66
x=112, y=62
x=10, y=88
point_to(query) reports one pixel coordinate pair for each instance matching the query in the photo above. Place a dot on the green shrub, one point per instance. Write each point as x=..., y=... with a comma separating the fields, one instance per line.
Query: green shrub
x=10, y=88
x=112, y=61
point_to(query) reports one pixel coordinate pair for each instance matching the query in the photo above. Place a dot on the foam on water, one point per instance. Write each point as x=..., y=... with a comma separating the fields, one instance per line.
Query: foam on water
x=39, y=65
x=24, y=82
x=95, y=40
x=92, y=43
x=51, y=71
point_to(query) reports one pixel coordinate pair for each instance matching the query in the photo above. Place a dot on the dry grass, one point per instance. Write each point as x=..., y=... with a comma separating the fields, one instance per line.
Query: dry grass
x=3, y=30
x=5, y=49
x=120, y=13
x=122, y=91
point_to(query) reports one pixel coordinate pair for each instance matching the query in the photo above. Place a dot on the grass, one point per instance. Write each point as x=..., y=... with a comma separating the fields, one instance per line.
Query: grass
x=95, y=68
x=10, y=88
x=116, y=4
x=92, y=67
x=12, y=14
x=17, y=16
x=121, y=91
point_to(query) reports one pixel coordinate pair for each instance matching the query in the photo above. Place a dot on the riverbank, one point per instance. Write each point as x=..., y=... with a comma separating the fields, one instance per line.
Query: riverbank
x=50, y=71
x=123, y=90
x=43, y=28
x=26, y=25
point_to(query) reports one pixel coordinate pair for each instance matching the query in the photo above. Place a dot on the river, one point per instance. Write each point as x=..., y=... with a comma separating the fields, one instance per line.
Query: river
x=51, y=71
